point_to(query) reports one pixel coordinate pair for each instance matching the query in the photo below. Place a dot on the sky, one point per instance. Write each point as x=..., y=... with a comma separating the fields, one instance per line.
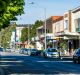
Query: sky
x=36, y=11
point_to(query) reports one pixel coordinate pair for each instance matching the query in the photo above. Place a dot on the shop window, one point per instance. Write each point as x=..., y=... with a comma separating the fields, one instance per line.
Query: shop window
x=76, y=23
x=79, y=22
x=66, y=24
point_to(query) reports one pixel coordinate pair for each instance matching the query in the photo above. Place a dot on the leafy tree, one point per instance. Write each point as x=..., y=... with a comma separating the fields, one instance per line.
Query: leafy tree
x=5, y=35
x=37, y=24
x=32, y=31
x=9, y=9
x=24, y=34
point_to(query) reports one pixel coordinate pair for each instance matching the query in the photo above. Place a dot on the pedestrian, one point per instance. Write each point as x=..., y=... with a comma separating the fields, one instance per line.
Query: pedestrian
x=70, y=48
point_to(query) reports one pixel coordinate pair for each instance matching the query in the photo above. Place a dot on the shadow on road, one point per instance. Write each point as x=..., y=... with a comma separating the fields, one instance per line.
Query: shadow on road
x=36, y=65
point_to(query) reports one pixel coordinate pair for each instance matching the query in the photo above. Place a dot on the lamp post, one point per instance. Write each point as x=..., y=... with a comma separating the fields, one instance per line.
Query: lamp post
x=79, y=41
x=28, y=36
x=44, y=24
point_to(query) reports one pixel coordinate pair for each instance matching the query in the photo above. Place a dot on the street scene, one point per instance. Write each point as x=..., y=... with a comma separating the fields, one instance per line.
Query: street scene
x=20, y=64
x=39, y=37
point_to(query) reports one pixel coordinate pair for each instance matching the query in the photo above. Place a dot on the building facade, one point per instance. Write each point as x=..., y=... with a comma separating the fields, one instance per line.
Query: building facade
x=62, y=31
x=50, y=30
x=76, y=25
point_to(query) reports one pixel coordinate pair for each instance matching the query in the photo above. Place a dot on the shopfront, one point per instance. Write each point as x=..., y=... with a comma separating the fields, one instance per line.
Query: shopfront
x=68, y=42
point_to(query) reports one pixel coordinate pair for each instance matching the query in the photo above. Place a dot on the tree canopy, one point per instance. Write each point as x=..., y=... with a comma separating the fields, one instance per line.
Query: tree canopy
x=5, y=35
x=32, y=31
x=37, y=24
x=9, y=9
x=24, y=34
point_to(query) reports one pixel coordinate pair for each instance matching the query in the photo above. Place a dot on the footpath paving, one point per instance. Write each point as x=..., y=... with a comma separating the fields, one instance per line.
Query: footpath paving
x=67, y=57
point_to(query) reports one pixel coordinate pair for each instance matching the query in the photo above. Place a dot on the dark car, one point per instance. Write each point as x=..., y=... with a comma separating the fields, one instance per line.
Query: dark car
x=76, y=56
x=26, y=51
x=1, y=49
x=34, y=52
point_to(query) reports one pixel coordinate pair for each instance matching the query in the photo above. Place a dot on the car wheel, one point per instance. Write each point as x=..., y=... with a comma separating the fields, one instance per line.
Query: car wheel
x=78, y=61
x=74, y=61
x=45, y=56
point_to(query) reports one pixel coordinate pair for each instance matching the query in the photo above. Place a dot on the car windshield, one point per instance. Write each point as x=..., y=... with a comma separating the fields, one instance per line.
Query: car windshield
x=25, y=49
x=52, y=50
x=34, y=50
x=78, y=51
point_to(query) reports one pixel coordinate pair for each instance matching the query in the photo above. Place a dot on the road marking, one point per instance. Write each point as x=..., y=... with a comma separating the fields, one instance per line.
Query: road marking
x=9, y=65
x=54, y=61
x=45, y=74
x=11, y=61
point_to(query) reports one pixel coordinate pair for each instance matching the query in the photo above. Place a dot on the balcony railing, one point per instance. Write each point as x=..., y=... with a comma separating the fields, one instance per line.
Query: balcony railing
x=78, y=30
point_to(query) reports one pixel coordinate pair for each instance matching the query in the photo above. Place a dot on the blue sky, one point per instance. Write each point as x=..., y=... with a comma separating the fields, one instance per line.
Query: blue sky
x=35, y=11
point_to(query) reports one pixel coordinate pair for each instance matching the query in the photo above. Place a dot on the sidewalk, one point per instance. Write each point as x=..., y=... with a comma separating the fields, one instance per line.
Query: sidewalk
x=67, y=57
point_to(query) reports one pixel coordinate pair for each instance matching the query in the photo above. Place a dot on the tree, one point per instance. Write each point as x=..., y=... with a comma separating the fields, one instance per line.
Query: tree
x=5, y=35
x=24, y=34
x=32, y=31
x=9, y=9
x=3, y=5
x=37, y=24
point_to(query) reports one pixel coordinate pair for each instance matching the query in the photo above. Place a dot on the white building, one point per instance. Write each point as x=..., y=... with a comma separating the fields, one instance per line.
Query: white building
x=16, y=34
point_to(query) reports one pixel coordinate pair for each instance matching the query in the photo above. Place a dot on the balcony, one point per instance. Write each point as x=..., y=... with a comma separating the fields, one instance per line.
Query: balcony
x=78, y=30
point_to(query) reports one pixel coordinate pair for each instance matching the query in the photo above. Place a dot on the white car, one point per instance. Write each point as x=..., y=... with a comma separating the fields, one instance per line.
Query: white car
x=51, y=53
x=8, y=49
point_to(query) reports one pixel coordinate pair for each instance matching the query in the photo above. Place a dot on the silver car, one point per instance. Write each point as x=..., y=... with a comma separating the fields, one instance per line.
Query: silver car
x=51, y=53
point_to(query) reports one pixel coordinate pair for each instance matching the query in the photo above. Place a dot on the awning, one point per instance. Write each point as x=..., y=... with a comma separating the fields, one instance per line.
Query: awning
x=20, y=43
x=67, y=34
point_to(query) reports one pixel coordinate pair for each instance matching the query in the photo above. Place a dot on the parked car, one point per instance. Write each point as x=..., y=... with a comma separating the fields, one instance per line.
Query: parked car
x=1, y=49
x=12, y=50
x=76, y=56
x=8, y=49
x=34, y=52
x=24, y=51
x=51, y=53
x=21, y=51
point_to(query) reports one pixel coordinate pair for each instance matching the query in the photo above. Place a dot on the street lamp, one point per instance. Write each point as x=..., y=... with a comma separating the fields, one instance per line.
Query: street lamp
x=28, y=36
x=29, y=29
x=44, y=24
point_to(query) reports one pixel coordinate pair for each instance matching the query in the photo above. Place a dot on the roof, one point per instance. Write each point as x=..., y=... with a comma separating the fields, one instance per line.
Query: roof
x=40, y=27
x=24, y=25
x=56, y=18
x=76, y=9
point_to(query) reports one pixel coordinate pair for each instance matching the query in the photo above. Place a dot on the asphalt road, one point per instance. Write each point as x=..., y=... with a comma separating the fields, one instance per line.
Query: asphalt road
x=19, y=64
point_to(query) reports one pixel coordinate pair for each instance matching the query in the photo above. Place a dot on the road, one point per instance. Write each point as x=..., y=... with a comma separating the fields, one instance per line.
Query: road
x=19, y=64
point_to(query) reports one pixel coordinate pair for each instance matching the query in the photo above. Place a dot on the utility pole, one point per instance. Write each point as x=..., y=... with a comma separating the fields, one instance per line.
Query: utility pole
x=28, y=36
x=45, y=26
